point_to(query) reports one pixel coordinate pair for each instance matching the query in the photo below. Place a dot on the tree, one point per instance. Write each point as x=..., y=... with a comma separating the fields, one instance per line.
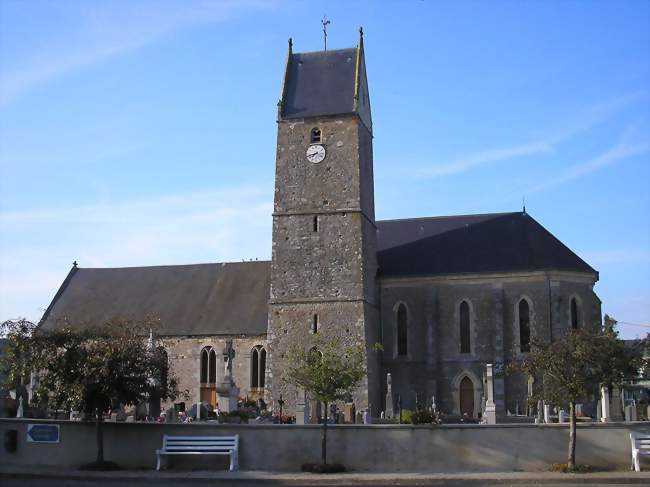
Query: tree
x=89, y=368
x=328, y=372
x=573, y=367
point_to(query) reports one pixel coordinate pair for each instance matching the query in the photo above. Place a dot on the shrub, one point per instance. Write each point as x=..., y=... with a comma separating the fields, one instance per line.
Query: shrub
x=406, y=416
x=422, y=417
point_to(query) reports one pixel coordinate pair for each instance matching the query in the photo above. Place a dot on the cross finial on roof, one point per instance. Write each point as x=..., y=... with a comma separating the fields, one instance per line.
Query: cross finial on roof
x=523, y=204
x=74, y=264
x=325, y=23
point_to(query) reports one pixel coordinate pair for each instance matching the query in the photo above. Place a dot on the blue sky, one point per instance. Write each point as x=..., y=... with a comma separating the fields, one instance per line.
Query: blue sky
x=143, y=132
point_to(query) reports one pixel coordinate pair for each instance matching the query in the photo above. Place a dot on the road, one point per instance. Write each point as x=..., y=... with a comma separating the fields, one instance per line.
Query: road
x=40, y=482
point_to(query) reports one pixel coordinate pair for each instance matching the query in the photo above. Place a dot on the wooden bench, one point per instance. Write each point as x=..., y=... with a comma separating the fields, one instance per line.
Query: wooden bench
x=201, y=445
x=640, y=446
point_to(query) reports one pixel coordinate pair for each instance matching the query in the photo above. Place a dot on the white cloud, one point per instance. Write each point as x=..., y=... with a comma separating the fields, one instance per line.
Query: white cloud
x=583, y=122
x=625, y=148
x=102, y=31
x=211, y=226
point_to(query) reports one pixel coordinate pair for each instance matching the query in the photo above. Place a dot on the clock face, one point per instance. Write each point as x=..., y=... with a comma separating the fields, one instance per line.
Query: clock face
x=315, y=153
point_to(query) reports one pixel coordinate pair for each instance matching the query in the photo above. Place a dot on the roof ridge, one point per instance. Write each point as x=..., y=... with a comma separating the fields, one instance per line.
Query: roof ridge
x=329, y=50
x=196, y=264
x=438, y=217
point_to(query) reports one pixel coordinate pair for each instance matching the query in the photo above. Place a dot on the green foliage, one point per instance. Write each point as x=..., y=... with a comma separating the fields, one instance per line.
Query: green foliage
x=88, y=368
x=328, y=371
x=572, y=367
x=423, y=416
x=406, y=416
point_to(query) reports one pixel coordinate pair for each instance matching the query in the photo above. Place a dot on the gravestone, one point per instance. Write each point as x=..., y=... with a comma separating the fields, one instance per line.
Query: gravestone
x=616, y=410
x=227, y=391
x=389, y=397
x=599, y=410
x=302, y=411
x=561, y=416
x=630, y=412
x=540, y=411
x=547, y=413
x=490, y=406
x=171, y=416
x=579, y=410
x=120, y=414
x=605, y=416
x=349, y=412
x=20, y=411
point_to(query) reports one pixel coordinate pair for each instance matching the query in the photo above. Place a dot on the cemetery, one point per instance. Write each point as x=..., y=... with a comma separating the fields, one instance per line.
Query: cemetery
x=246, y=436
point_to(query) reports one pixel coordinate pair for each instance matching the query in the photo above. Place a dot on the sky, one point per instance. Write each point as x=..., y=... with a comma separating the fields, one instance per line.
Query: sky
x=143, y=132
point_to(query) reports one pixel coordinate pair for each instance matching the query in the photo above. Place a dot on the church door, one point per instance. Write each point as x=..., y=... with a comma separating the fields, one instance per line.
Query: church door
x=467, y=397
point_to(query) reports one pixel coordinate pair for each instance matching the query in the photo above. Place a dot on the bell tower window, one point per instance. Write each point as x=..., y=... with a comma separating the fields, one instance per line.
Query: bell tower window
x=315, y=136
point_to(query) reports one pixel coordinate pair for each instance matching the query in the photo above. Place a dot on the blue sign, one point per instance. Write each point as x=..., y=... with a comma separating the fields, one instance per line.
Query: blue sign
x=43, y=433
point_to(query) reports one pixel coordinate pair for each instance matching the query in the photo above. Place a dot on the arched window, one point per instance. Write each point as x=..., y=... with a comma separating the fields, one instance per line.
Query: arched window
x=255, y=368
x=315, y=136
x=208, y=366
x=258, y=367
x=574, y=314
x=402, y=330
x=262, y=366
x=465, y=345
x=524, y=326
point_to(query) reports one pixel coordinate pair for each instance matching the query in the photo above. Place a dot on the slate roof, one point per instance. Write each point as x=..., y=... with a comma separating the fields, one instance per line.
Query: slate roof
x=500, y=242
x=201, y=299
x=225, y=299
x=319, y=83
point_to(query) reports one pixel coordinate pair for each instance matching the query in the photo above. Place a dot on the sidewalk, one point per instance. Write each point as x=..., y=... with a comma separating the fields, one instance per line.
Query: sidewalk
x=359, y=478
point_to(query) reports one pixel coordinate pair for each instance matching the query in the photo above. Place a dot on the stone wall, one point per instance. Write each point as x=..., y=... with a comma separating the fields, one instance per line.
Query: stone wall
x=372, y=448
x=185, y=355
x=434, y=364
x=323, y=264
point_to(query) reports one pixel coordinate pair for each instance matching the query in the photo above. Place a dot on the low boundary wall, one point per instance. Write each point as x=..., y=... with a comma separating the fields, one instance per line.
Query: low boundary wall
x=371, y=448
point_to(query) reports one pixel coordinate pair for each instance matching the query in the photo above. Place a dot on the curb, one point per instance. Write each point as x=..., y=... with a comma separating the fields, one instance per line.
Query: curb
x=337, y=479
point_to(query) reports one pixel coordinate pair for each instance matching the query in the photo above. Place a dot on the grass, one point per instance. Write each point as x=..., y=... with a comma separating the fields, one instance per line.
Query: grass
x=564, y=468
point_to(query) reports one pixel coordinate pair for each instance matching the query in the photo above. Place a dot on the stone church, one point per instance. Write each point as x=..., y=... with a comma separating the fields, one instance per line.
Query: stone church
x=443, y=295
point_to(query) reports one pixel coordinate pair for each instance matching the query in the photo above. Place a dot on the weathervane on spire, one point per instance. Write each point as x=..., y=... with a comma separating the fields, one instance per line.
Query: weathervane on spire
x=325, y=23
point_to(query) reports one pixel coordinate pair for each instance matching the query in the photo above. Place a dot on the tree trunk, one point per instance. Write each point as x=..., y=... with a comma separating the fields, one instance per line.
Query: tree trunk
x=572, y=436
x=324, y=445
x=100, y=436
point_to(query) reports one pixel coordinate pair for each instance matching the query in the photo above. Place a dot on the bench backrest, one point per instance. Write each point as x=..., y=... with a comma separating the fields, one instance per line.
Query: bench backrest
x=640, y=441
x=200, y=443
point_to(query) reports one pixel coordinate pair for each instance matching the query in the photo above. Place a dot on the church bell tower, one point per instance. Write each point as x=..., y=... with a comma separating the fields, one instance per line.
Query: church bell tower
x=324, y=258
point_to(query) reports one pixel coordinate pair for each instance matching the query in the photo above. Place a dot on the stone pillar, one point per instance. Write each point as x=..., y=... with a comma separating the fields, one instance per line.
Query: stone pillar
x=490, y=406
x=302, y=409
x=616, y=405
x=555, y=328
x=389, y=397
x=547, y=413
x=540, y=412
x=198, y=393
x=605, y=416
x=499, y=326
x=561, y=416
x=628, y=413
